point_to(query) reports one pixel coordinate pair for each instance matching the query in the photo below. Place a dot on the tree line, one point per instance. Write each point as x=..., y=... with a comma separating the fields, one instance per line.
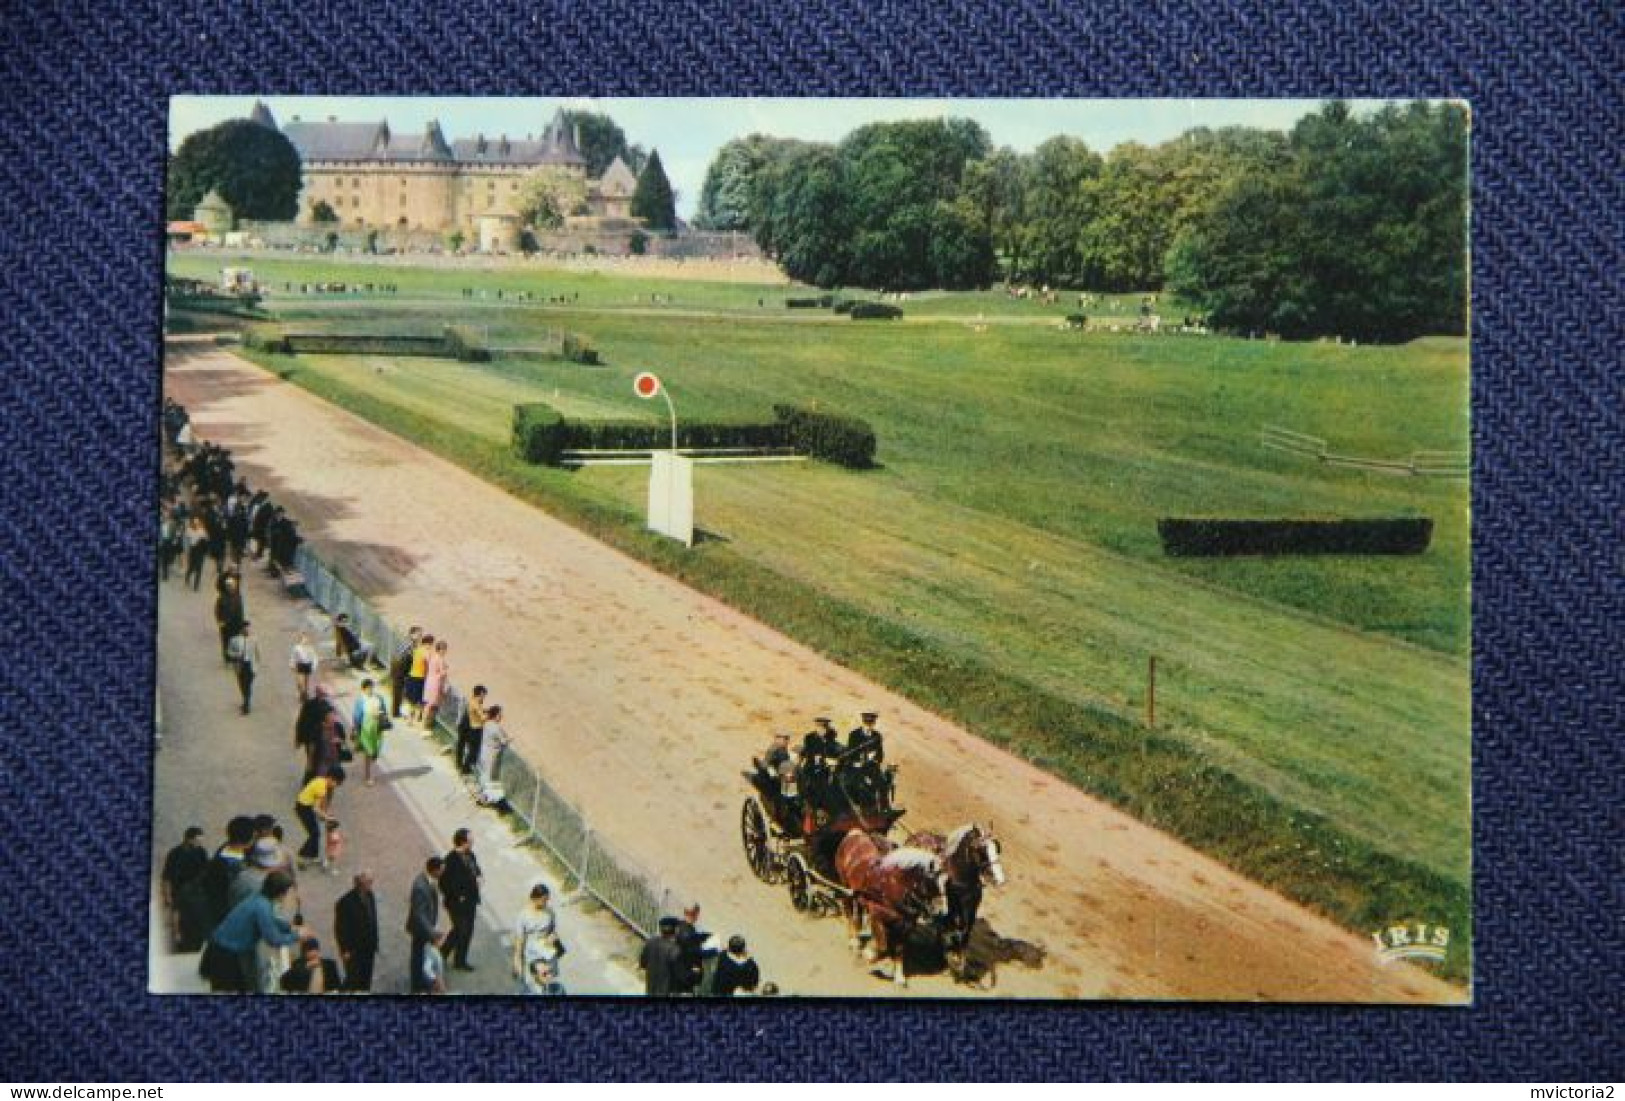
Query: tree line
x=1350, y=224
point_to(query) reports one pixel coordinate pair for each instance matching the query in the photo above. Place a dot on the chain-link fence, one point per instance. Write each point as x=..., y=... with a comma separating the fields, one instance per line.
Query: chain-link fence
x=635, y=896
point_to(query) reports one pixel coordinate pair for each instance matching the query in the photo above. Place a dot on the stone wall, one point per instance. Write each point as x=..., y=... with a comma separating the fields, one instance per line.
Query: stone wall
x=687, y=246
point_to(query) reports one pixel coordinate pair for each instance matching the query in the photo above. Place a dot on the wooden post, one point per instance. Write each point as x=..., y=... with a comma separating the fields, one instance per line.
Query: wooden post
x=1151, y=693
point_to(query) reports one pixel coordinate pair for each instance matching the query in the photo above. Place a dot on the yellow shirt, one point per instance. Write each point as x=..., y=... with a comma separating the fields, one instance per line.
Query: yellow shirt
x=420, y=661
x=314, y=792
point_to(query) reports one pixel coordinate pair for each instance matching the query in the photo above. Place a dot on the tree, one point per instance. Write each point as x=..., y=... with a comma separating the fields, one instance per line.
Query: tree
x=994, y=188
x=322, y=212
x=652, y=199
x=602, y=140
x=255, y=169
x=728, y=196
x=803, y=216
x=1360, y=232
x=1058, y=204
x=546, y=195
x=905, y=180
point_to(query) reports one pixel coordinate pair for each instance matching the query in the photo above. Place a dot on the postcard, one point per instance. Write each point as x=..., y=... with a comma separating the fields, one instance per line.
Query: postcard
x=970, y=549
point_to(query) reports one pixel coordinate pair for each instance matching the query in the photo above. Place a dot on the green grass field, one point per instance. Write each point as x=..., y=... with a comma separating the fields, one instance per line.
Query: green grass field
x=1002, y=565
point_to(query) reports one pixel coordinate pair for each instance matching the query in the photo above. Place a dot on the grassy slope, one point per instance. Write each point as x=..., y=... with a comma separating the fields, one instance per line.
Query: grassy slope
x=1047, y=583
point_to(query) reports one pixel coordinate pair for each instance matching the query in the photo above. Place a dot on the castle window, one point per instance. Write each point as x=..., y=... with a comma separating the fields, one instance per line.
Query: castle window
x=356, y=182
x=356, y=202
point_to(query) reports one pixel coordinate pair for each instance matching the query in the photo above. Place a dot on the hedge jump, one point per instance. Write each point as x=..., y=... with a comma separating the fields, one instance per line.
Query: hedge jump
x=1184, y=538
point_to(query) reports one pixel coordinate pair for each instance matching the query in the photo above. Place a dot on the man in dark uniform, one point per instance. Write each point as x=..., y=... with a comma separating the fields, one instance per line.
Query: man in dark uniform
x=866, y=757
x=864, y=744
x=819, y=749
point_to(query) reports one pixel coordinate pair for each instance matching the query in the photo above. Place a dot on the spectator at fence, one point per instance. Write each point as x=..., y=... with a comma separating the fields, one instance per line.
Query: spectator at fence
x=471, y=730
x=369, y=719
x=244, y=652
x=435, y=670
x=314, y=805
x=349, y=646
x=415, y=673
x=736, y=971
x=231, y=958
x=492, y=745
x=312, y=973
x=302, y=659
x=283, y=540
x=422, y=917
x=660, y=960
x=400, y=668
x=259, y=527
x=183, y=865
x=355, y=927
x=460, y=880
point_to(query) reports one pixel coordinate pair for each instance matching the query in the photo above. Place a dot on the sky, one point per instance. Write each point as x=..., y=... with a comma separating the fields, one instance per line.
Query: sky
x=688, y=132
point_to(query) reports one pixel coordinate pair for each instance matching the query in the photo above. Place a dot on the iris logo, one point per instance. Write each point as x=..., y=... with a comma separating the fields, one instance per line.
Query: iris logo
x=1416, y=941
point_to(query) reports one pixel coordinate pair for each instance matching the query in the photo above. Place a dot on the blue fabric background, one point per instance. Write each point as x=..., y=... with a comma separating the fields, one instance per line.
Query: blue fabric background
x=84, y=142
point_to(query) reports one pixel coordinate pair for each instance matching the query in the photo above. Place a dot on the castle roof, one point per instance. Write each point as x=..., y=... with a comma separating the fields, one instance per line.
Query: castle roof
x=372, y=141
x=213, y=201
x=261, y=114
x=618, y=179
x=365, y=141
x=503, y=150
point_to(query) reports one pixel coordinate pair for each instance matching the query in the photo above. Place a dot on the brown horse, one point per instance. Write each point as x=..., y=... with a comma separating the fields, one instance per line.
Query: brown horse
x=971, y=859
x=895, y=887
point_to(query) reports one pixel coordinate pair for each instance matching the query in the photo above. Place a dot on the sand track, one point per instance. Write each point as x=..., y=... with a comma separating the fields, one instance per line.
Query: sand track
x=642, y=699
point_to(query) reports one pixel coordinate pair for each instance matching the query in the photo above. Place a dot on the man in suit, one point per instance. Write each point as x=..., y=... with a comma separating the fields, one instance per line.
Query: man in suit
x=422, y=916
x=228, y=615
x=460, y=885
x=355, y=926
x=243, y=651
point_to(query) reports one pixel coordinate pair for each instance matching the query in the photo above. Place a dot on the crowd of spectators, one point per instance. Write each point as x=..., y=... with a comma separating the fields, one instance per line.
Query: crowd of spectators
x=240, y=904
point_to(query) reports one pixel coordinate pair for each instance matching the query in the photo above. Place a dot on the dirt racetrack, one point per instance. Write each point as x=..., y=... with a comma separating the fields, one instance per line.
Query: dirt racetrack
x=642, y=700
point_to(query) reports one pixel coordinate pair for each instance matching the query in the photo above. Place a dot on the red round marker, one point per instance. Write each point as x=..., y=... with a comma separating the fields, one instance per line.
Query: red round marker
x=646, y=385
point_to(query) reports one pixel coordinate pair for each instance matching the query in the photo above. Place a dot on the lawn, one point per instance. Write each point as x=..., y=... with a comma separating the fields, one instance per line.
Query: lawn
x=1010, y=530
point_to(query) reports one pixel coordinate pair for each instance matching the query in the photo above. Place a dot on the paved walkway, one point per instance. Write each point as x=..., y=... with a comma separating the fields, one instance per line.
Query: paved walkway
x=214, y=763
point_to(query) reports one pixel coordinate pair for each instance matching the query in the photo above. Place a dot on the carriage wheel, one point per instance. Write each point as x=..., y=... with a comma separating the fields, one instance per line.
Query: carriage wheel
x=800, y=881
x=753, y=833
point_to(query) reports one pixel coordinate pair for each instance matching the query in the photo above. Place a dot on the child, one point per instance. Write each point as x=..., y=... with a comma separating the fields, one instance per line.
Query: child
x=335, y=847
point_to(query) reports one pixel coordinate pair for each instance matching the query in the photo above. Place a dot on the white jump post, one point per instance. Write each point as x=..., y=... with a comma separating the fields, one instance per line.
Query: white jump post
x=671, y=476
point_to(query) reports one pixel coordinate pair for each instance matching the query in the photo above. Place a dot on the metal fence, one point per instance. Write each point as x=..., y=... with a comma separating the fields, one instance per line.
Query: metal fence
x=634, y=895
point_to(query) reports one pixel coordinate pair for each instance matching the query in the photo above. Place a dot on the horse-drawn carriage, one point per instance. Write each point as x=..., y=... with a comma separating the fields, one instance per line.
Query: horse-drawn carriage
x=822, y=827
